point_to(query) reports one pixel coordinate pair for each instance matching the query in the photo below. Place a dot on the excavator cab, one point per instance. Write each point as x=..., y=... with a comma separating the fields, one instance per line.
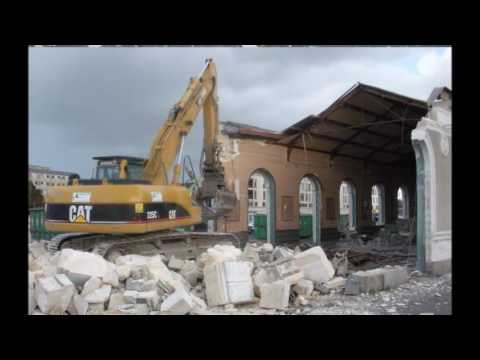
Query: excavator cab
x=114, y=168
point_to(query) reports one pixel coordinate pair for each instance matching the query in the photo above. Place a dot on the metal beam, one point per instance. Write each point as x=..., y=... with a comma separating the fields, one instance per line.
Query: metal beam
x=375, y=115
x=332, y=138
x=343, y=155
x=369, y=156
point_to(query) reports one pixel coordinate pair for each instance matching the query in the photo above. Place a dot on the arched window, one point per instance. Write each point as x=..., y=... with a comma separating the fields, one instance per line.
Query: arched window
x=348, y=209
x=261, y=205
x=402, y=203
x=378, y=204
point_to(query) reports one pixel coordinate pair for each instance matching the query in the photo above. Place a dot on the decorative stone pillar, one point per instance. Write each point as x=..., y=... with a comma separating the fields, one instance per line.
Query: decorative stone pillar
x=431, y=140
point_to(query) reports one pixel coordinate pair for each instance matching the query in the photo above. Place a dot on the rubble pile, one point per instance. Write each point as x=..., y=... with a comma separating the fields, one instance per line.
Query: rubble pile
x=259, y=279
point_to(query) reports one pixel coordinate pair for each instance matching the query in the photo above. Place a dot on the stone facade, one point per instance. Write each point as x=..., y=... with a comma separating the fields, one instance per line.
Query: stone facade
x=432, y=141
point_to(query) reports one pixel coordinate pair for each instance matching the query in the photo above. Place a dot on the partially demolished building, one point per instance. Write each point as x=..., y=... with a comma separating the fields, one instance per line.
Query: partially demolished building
x=367, y=138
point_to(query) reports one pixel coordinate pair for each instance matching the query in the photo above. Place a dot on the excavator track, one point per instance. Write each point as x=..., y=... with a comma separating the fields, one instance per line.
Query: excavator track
x=183, y=245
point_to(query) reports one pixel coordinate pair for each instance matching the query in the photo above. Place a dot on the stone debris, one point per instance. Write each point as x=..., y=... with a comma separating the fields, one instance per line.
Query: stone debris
x=175, y=264
x=365, y=281
x=251, y=253
x=274, y=280
x=111, y=278
x=178, y=303
x=315, y=264
x=140, y=284
x=99, y=296
x=275, y=295
x=228, y=282
x=191, y=272
x=53, y=293
x=90, y=285
x=32, y=302
x=375, y=280
x=284, y=269
x=123, y=272
x=282, y=252
x=303, y=287
x=37, y=249
x=337, y=283
x=80, y=266
x=340, y=263
x=151, y=298
x=219, y=254
x=394, y=276
x=116, y=299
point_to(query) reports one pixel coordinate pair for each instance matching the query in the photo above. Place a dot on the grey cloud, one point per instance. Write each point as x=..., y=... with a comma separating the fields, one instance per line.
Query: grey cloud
x=91, y=101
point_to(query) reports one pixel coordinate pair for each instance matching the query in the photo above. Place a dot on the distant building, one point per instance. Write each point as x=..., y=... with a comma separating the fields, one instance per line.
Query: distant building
x=43, y=177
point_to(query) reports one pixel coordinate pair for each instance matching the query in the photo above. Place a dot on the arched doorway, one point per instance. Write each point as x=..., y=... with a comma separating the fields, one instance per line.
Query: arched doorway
x=261, y=206
x=378, y=204
x=310, y=206
x=403, y=205
x=348, y=205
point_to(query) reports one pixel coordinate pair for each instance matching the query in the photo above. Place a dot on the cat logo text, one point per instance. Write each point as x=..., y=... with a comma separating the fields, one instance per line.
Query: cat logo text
x=79, y=214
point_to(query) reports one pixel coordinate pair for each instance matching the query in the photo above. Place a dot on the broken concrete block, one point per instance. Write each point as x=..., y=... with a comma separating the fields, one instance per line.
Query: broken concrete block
x=43, y=263
x=303, y=287
x=228, y=282
x=96, y=309
x=191, y=272
x=150, y=298
x=134, y=309
x=301, y=301
x=218, y=254
x=80, y=266
x=37, y=249
x=364, y=281
x=315, y=264
x=123, y=272
x=337, y=283
x=394, y=277
x=138, y=272
x=32, y=265
x=267, y=247
x=178, y=303
x=116, y=299
x=31, y=280
x=79, y=305
x=250, y=253
x=275, y=295
x=175, y=264
x=134, y=284
x=260, y=277
x=53, y=294
x=99, y=295
x=130, y=296
x=198, y=303
x=282, y=252
x=156, y=268
x=111, y=278
x=284, y=269
x=32, y=303
x=340, y=263
x=91, y=285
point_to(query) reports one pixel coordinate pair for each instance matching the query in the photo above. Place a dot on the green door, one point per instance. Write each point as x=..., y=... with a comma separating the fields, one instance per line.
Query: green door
x=306, y=229
x=260, y=226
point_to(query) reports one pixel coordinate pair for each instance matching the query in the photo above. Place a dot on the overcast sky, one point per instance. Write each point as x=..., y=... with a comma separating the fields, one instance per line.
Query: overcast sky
x=85, y=102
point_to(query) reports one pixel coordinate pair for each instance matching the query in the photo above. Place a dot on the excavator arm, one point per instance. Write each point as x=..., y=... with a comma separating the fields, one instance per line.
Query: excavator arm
x=167, y=148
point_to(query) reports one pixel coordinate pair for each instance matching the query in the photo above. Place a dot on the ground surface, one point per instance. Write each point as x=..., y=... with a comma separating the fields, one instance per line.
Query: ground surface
x=426, y=295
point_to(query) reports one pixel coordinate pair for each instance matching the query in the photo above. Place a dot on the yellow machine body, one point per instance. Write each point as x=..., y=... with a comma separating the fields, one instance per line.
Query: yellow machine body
x=119, y=208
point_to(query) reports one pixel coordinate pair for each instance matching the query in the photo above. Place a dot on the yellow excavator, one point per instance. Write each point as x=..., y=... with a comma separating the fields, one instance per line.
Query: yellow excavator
x=133, y=201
